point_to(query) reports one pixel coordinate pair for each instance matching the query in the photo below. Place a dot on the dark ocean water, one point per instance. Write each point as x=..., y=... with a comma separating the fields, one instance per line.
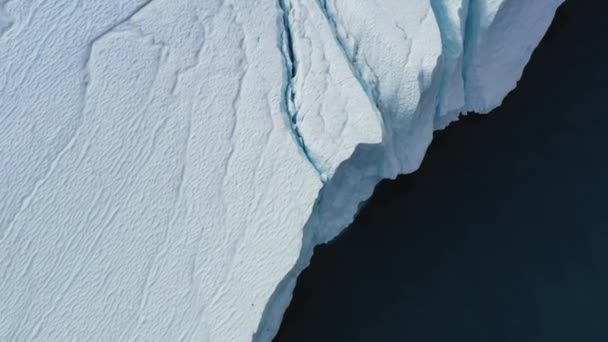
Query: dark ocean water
x=502, y=235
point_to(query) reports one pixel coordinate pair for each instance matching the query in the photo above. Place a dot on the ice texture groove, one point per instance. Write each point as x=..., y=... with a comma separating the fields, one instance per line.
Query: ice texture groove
x=167, y=166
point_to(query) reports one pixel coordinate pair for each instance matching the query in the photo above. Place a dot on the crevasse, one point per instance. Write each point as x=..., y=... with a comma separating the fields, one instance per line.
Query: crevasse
x=291, y=67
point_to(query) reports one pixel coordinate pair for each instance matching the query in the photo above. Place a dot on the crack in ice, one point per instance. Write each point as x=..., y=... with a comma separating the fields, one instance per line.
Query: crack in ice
x=291, y=69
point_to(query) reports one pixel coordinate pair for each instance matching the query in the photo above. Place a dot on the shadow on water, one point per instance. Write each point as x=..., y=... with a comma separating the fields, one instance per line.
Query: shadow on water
x=502, y=235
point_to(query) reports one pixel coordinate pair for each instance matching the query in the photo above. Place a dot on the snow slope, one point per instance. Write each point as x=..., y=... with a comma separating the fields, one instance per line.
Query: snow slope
x=167, y=166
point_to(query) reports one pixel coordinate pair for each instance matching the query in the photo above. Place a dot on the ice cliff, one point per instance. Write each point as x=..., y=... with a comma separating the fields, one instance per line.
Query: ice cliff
x=167, y=166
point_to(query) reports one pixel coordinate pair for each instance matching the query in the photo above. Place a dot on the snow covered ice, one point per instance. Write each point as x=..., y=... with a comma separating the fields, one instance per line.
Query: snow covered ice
x=167, y=166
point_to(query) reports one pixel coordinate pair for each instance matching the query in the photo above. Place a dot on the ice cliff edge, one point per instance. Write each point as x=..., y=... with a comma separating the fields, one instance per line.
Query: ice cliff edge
x=168, y=165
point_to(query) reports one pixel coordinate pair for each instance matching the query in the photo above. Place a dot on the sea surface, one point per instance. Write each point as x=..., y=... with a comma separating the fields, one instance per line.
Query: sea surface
x=502, y=235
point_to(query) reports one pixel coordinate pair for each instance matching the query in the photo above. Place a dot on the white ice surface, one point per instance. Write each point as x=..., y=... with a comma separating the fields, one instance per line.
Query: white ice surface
x=167, y=166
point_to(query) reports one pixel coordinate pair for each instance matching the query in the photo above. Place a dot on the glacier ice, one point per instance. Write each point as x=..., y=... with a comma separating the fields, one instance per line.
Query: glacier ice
x=167, y=166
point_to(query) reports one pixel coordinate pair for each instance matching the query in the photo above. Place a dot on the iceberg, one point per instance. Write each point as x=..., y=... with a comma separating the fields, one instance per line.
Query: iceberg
x=167, y=166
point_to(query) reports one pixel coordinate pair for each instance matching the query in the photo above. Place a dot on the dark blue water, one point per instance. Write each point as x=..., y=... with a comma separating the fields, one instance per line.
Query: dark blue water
x=502, y=235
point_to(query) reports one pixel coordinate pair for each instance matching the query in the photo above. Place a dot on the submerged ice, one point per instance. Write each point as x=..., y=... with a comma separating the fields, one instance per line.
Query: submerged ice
x=168, y=165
